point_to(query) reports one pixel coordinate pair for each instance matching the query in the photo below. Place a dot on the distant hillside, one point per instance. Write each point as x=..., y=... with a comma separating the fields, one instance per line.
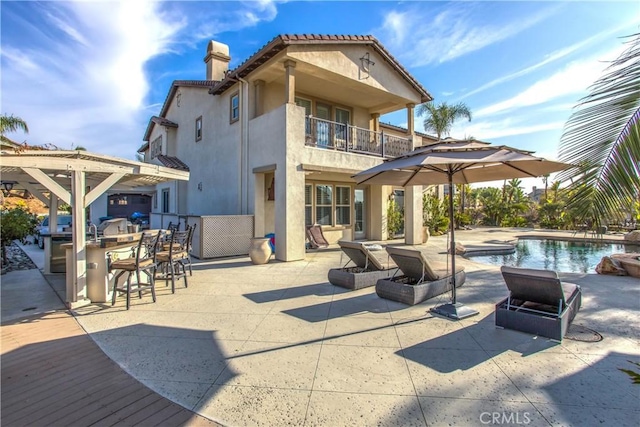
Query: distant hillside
x=33, y=204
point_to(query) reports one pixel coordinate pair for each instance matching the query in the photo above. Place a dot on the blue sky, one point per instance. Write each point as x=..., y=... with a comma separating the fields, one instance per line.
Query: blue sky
x=93, y=73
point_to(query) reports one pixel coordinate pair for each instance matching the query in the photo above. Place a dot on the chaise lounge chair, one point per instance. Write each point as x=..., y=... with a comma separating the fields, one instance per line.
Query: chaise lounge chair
x=316, y=238
x=538, y=303
x=366, y=271
x=422, y=278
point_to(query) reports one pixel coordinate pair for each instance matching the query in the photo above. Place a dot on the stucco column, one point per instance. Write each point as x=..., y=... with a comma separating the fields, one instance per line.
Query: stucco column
x=410, y=119
x=258, y=203
x=377, y=217
x=289, y=189
x=258, y=88
x=289, y=213
x=375, y=122
x=413, y=215
x=290, y=82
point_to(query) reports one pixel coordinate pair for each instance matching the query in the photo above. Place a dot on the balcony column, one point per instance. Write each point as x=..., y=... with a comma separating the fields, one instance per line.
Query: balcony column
x=290, y=82
x=375, y=122
x=258, y=87
x=410, y=119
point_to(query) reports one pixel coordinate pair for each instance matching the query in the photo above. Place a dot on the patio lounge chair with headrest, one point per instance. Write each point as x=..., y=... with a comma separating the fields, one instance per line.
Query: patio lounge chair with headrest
x=538, y=303
x=366, y=269
x=422, y=278
x=316, y=238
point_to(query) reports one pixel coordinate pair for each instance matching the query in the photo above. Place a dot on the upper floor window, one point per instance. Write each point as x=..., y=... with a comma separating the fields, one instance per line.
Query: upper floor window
x=155, y=148
x=198, y=128
x=165, y=200
x=234, y=113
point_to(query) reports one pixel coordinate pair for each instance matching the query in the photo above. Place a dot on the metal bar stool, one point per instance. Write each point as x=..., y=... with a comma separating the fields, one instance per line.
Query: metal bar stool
x=142, y=260
x=171, y=258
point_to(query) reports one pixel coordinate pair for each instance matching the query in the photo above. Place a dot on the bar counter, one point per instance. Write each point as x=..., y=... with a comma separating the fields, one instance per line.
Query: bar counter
x=99, y=279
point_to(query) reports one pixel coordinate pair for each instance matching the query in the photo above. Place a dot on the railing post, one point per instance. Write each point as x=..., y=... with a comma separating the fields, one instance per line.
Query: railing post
x=382, y=142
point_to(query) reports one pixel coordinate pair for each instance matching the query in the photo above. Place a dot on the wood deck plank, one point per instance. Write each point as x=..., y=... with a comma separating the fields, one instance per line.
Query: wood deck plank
x=47, y=404
x=135, y=412
x=53, y=373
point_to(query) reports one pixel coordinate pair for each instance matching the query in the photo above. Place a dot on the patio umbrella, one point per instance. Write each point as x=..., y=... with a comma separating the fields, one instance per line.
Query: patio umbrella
x=457, y=162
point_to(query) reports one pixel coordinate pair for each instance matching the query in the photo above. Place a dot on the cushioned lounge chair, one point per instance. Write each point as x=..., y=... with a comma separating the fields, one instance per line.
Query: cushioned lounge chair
x=365, y=271
x=421, y=278
x=538, y=303
x=316, y=238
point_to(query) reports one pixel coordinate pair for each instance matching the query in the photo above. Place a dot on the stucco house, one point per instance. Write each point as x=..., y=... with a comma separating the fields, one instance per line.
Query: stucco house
x=280, y=136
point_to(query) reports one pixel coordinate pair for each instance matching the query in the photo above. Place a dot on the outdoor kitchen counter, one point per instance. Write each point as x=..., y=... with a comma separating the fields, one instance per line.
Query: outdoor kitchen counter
x=99, y=279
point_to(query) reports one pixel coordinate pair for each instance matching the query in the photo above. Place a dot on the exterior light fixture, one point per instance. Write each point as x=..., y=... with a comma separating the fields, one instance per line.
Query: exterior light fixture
x=7, y=186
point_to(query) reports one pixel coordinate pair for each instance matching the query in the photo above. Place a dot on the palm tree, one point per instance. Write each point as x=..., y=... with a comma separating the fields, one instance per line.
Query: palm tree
x=11, y=124
x=603, y=137
x=440, y=118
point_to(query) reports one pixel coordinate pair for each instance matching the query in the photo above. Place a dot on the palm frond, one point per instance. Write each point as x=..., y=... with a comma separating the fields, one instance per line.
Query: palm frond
x=12, y=124
x=603, y=137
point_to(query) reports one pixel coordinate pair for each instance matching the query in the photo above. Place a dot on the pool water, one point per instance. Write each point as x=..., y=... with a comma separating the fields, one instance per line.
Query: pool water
x=574, y=257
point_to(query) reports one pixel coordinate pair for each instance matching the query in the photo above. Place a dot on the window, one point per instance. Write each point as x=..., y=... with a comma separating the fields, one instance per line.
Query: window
x=165, y=200
x=301, y=102
x=324, y=202
x=343, y=117
x=343, y=205
x=198, y=128
x=331, y=204
x=308, y=204
x=155, y=148
x=234, y=113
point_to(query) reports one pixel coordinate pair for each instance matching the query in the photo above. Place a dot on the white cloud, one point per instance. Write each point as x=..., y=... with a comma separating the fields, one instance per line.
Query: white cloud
x=425, y=39
x=574, y=78
x=550, y=58
x=489, y=130
x=80, y=79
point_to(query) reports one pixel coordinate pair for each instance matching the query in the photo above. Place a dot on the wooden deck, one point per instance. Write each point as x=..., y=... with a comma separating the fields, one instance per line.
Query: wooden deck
x=54, y=374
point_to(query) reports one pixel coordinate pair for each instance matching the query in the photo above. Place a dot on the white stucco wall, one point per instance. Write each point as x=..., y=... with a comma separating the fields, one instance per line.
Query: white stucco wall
x=345, y=61
x=213, y=161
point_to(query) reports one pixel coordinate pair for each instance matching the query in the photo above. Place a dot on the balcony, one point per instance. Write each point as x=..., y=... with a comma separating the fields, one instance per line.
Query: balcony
x=343, y=137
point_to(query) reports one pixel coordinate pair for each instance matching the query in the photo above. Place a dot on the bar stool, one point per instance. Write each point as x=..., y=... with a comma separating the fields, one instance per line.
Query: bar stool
x=171, y=258
x=187, y=260
x=142, y=260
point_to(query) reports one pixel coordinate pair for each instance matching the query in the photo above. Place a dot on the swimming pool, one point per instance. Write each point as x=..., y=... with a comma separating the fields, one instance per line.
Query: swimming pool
x=559, y=255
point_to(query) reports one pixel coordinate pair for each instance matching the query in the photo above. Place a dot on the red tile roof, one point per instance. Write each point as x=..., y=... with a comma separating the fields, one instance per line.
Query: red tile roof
x=401, y=129
x=280, y=42
x=172, y=162
x=272, y=48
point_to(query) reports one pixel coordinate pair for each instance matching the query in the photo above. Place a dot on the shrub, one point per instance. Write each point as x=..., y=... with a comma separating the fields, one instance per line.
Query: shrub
x=16, y=224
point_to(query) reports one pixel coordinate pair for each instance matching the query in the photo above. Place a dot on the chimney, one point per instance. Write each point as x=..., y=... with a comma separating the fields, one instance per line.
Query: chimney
x=217, y=60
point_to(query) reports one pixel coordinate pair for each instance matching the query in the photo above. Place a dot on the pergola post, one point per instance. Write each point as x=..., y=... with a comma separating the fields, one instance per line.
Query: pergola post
x=77, y=295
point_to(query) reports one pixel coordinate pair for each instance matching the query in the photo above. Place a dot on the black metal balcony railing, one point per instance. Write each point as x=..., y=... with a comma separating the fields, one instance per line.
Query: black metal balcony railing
x=342, y=137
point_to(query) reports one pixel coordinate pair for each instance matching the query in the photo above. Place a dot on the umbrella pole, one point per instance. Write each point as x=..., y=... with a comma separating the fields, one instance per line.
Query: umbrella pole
x=452, y=249
x=453, y=310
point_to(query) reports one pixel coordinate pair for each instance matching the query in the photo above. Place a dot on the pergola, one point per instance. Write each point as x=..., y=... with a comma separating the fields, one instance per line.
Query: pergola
x=77, y=178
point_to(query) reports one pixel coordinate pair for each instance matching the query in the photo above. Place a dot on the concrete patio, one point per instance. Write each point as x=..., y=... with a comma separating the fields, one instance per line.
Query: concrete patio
x=276, y=344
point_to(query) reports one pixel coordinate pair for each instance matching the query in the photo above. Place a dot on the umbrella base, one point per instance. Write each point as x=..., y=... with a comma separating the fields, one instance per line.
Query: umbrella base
x=455, y=311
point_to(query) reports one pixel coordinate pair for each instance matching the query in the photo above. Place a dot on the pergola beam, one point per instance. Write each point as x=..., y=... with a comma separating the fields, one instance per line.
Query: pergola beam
x=48, y=182
x=36, y=192
x=99, y=189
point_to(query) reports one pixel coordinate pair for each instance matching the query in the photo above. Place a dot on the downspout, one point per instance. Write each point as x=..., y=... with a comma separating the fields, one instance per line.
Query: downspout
x=244, y=144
